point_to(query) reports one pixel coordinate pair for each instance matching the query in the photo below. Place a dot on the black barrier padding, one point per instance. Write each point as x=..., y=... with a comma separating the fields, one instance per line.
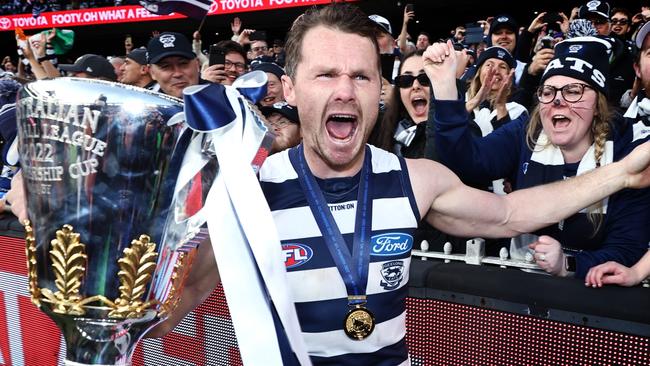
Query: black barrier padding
x=9, y=226
x=538, y=291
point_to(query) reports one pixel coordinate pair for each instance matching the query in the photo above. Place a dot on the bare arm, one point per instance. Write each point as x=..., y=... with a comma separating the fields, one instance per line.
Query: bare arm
x=403, y=36
x=50, y=70
x=37, y=69
x=203, y=278
x=48, y=66
x=459, y=210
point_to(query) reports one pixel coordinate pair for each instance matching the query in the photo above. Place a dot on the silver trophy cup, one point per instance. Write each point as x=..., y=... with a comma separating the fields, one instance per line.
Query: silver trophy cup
x=100, y=162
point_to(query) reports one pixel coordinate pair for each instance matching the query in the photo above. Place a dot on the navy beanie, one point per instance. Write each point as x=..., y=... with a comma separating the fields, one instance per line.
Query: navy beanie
x=582, y=58
x=496, y=52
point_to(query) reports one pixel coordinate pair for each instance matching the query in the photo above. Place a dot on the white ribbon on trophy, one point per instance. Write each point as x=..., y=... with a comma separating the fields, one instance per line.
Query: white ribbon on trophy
x=242, y=231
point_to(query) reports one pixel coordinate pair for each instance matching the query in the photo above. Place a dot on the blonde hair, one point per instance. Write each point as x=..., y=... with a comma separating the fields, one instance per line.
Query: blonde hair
x=475, y=85
x=600, y=129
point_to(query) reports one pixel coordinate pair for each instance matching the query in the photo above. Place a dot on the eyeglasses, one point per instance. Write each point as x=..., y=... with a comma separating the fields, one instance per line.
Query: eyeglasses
x=572, y=93
x=259, y=49
x=616, y=21
x=406, y=81
x=238, y=65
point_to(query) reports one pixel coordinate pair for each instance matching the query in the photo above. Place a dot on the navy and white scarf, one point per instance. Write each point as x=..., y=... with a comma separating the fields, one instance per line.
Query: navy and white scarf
x=546, y=165
x=639, y=111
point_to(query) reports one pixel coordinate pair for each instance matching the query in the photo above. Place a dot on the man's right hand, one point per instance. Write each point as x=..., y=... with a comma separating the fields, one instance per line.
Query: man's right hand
x=244, y=37
x=537, y=24
x=408, y=15
x=540, y=61
x=214, y=73
x=235, y=26
x=637, y=167
x=16, y=197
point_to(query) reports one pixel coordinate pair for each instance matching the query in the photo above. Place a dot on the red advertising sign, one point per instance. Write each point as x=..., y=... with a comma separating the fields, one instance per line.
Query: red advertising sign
x=237, y=6
x=29, y=338
x=71, y=18
x=136, y=13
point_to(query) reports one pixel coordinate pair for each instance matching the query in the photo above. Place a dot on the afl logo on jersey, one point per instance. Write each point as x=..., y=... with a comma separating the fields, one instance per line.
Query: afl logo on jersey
x=295, y=255
x=391, y=244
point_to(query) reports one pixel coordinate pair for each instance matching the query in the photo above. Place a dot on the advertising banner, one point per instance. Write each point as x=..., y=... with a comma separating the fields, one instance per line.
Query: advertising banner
x=29, y=338
x=136, y=13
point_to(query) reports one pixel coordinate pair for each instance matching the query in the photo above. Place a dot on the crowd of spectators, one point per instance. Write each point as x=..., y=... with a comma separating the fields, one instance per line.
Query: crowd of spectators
x=502, y=72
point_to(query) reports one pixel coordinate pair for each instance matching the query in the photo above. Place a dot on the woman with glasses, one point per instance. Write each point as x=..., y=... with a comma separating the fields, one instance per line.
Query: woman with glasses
x=570, y=132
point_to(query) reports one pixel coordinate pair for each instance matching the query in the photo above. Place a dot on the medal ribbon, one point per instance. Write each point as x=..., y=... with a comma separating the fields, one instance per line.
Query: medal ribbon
x=353, y=268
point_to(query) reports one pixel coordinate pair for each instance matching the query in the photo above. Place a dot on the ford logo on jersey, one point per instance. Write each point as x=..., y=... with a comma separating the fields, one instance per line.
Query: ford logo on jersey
x=295, y=255
x=391, y=244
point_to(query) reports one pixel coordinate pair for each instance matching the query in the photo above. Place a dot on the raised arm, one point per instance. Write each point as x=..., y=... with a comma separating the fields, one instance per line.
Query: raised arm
x=403, y=36
x=459, y=210
x=476, y=160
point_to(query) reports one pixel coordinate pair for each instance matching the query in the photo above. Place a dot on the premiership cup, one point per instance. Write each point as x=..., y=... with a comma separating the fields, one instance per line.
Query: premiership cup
x=100, y=162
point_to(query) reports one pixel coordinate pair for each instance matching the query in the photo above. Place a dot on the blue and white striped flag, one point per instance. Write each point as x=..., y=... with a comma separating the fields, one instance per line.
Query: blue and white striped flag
x=192, y=8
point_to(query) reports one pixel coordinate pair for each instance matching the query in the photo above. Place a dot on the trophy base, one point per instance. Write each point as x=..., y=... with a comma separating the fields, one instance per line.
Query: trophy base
x=100, y=340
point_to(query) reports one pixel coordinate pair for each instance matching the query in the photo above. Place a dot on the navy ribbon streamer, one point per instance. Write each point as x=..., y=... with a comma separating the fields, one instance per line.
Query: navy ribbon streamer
x=252, y=85
x=207, y=107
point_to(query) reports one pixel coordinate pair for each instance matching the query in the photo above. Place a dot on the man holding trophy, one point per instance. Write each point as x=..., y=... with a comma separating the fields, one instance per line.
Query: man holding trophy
x=347, y=316
x=334, y=199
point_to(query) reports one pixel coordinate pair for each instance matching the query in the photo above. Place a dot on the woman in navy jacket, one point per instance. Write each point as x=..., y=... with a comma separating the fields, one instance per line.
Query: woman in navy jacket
x=569, y=133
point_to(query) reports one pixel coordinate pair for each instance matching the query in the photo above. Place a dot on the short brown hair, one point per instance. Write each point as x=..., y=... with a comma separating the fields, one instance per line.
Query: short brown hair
x=343, y=17
x=232, y=46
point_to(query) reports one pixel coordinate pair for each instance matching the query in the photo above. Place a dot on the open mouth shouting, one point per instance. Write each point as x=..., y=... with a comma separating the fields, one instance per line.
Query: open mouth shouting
x=420, y=105
x=560, y=121
x=341, y=127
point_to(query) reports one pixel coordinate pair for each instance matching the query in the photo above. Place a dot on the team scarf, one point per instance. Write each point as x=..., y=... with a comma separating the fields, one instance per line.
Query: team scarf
x=639, y=112
x=546, y=165
x=484, y=115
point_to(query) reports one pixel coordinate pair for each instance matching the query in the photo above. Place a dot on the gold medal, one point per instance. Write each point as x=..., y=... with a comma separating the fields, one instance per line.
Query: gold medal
x=359, y=323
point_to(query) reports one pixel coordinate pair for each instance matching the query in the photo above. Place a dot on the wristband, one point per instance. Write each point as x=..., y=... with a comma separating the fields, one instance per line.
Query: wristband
x=570, y=263
x=46, y=57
